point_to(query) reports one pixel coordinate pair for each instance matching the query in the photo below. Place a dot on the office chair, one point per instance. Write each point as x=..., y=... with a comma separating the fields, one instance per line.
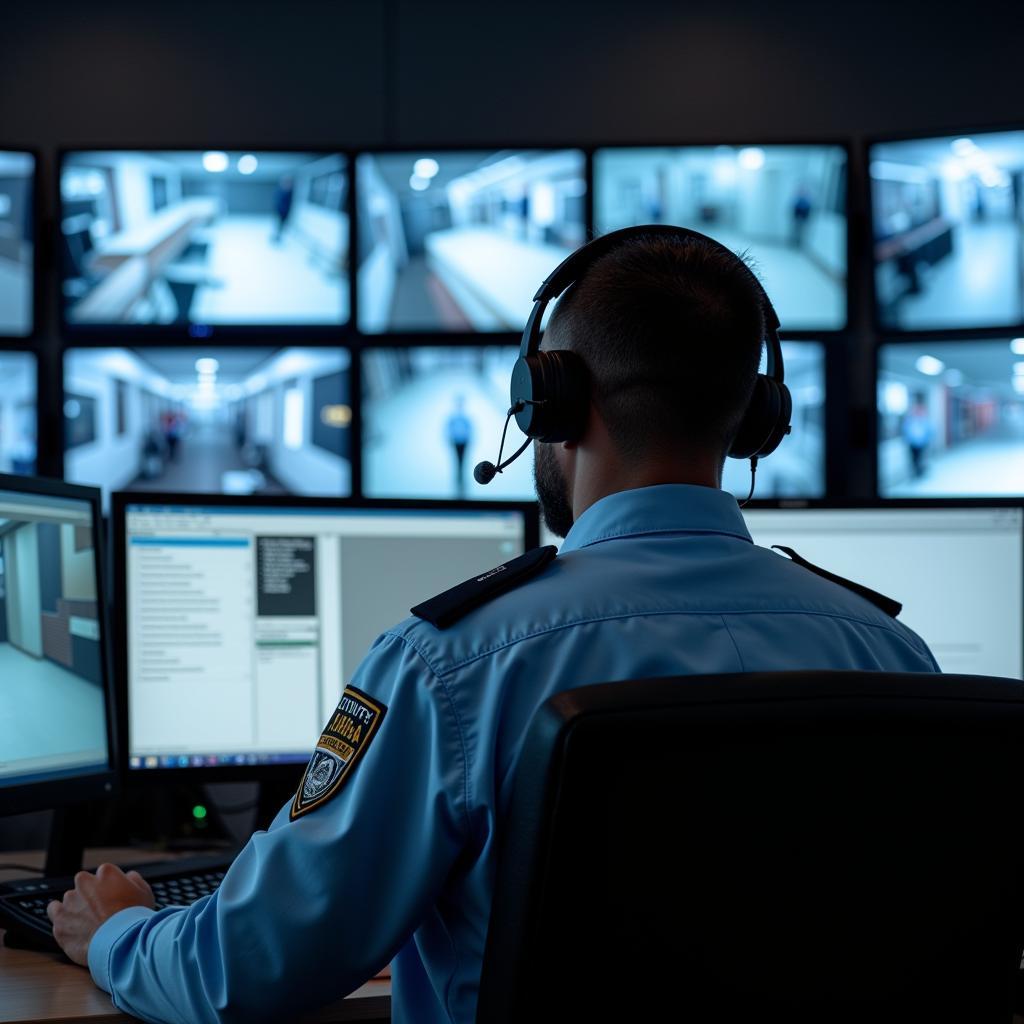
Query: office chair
x=807, y=846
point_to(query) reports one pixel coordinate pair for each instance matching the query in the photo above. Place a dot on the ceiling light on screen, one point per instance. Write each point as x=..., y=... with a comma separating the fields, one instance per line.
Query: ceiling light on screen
x=1017, y=346
x=207, y=365
x=426, y=167
x=963, y=147
x=247, y=163
x=929, y=366
x=751, y=158
x=418, y=184
x=215, y=161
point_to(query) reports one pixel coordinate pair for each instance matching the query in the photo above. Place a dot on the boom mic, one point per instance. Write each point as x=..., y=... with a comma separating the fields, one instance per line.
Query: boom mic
x=483, y=472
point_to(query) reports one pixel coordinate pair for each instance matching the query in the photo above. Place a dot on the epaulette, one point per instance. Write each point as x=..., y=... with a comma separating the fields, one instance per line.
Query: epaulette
x=447, y=608
x=887, y=604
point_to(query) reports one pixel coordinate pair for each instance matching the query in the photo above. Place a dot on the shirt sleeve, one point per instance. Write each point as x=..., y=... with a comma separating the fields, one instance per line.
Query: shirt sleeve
x=315, y=906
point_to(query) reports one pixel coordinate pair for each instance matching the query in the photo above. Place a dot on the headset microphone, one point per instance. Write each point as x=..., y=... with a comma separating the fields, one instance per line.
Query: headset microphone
x=484, y=472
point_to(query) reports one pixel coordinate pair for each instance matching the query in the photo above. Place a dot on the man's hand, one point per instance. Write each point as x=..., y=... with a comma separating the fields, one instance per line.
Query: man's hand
x=94, y=899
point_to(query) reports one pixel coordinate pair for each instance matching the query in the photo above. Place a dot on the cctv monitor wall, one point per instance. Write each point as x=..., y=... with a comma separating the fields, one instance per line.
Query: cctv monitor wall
x=461, y=240
x=189, y=241
x=18, y=416
x=951, y=418
x=783, y=205
x=228, y=420
x=948, y=217
x=255, y=616
x=796, y=469
x=430, y=414
x=17, y=243
x=53, y=712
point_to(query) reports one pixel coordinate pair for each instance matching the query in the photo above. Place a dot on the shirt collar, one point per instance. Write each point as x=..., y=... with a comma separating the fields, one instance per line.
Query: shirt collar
x=664, y=508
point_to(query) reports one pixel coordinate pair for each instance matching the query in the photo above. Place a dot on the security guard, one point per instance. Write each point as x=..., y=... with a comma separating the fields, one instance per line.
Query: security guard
x=647, y=380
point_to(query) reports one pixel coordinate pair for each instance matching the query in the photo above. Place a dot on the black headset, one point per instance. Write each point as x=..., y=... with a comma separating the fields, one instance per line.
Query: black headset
x=550, y=391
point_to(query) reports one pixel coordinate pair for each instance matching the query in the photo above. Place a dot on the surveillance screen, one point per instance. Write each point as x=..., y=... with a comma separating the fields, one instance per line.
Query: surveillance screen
x=783, y=205
x=53, y=715
x=460, y=241
x=209, y=238
x=18, y=417
x=949, y=231
x=234, y=421
x=17, y=173
x=951, y=419
x=796, y=469
x=431, y=414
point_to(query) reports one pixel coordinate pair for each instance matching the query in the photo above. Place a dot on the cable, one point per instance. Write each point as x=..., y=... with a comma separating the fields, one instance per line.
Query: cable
x=753, y=474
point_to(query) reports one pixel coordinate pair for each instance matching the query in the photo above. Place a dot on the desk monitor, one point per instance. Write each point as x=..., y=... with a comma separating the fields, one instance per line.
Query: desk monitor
x=192, y=241
x=430, y=414
x=957, y=569
x=17, y=243
x=245, y=619
x=461, y=240
x=948, y=218
x=18, y=416
x=951, y=418
x=230, y=420
x=784, y=205
x=55, y=732
x=796, y=469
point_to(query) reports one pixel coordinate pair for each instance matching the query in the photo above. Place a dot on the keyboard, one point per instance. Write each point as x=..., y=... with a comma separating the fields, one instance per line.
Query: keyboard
x=175, y=883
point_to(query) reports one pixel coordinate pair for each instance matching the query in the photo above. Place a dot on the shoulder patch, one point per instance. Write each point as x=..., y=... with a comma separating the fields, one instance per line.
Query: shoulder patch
x=447, y=608
x=886, y=604
x=342, y=743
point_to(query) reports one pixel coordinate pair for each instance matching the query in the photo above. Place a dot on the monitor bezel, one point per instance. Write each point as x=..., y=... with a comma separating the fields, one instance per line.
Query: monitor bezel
x=892, y=331
x=36, y=208
x=102, y=783
x=93, y=334
x=851, y=284
x=425, y=336
x=121, y=500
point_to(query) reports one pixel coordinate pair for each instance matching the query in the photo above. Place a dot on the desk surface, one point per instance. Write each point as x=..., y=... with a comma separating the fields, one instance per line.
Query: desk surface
x=44, y=987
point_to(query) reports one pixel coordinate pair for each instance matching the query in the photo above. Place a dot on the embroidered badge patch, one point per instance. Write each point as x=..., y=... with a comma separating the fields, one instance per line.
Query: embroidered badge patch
x=341, y=745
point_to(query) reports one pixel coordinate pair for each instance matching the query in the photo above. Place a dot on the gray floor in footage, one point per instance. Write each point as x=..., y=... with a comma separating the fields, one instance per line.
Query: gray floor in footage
x=45, y=710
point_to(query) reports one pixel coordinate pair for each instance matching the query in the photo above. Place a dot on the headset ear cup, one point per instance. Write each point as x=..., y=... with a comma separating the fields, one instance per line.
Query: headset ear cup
x=765, y=422
x=558, y=385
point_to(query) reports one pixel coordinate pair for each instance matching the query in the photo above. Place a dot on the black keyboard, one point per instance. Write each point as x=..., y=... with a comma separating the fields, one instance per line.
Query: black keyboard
x=175, y=883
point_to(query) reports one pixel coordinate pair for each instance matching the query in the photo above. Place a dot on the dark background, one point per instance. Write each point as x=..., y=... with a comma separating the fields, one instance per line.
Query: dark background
x=355, y=73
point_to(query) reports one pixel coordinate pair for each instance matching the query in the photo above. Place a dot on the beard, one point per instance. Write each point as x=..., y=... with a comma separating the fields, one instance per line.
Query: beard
x=552, y=490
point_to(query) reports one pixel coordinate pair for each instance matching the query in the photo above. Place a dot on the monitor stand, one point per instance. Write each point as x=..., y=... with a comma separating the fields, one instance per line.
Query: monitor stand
x=69, y=829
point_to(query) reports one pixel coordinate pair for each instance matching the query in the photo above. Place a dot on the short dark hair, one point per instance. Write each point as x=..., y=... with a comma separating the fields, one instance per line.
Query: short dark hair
x=671, y=330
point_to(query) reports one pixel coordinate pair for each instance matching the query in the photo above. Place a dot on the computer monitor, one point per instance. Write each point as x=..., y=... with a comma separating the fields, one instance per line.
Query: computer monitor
x=230, y=420
x=189, y=242
x=951, y=418
x=948, y=218
x=17, y=243
x=796, y=469
x=430, y=414
x=460, y=240
x=18, y=417
x=784, y=205
x=958, y=570
x=56, y=740
x=244, y=619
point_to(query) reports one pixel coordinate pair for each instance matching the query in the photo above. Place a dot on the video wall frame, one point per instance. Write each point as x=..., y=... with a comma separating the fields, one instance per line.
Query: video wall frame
x=21, y=264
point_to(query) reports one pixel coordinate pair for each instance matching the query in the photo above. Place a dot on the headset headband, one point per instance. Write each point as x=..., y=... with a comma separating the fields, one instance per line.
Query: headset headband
x=571, y=269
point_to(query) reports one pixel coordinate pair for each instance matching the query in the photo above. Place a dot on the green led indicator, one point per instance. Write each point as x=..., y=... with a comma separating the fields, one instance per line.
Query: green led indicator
x=199, y=812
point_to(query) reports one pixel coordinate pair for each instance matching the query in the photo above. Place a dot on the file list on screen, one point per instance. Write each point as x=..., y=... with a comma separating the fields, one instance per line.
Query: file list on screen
x=245, y=624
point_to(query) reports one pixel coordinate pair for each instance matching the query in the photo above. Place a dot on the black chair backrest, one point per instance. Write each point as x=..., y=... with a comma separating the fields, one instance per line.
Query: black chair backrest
x=811, y=846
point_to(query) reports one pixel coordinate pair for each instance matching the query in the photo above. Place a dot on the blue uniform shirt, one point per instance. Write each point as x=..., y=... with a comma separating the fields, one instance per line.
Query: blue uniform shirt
x=400, y=862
